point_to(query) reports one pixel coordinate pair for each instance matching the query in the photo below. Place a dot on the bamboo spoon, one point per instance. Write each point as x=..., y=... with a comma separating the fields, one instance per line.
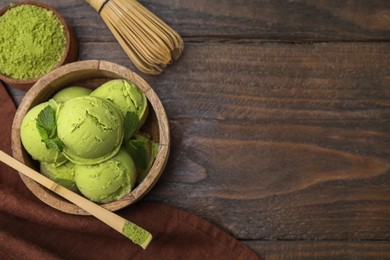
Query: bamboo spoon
x=149, y=42
x=135, y=233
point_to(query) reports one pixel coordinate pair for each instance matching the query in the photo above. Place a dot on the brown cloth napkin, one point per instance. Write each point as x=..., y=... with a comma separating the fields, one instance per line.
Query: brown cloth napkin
x=29, y=229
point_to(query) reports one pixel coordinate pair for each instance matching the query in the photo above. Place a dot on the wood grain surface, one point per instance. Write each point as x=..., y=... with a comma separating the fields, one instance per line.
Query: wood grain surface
x=280, y=119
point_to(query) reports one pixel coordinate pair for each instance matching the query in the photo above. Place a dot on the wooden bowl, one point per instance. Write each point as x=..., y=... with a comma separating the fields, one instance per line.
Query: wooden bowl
x=92, y=74
x=70, y=54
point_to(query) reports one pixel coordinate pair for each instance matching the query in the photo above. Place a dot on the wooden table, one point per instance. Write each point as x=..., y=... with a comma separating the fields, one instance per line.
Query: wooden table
x=280, y=119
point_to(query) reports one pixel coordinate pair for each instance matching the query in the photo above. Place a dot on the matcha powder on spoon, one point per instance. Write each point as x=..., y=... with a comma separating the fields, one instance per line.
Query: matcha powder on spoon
x=32, y=42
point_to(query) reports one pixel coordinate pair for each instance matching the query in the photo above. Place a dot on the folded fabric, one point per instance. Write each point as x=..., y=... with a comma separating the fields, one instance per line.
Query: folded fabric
x=30, y=229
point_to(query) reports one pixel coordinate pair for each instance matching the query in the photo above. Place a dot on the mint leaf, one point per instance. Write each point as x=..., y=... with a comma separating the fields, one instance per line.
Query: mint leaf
x=55, y=144
x=46, y=123
x=138, y=151
x=143, y=150
x=130, y=124
x=42, y=132
x=47, y=128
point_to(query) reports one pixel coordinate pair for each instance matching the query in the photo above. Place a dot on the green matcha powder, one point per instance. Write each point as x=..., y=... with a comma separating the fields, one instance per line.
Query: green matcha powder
x=32, y=42
x=137, y=234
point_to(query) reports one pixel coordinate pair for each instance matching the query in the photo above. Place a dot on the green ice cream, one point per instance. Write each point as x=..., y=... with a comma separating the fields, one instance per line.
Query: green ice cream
x=63, y=174
x=108, y=181
x=32, y=140
x=71, y=92
x=90, y=128
x=128, y=97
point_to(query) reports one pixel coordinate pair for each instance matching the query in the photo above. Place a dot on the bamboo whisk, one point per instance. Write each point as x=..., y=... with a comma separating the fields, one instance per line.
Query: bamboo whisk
x=149, y=42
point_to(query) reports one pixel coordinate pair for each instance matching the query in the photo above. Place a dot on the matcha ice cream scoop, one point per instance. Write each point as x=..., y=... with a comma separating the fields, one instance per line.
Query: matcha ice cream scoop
x=128, y=97
x=108, y=181
x=32, y=140
x=63, y=174
x=90, y=128
x=71, y=92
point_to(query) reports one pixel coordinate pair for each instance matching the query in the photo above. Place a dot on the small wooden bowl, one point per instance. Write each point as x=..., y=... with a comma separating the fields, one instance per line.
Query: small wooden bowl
x=92, y=74
x=71, y=48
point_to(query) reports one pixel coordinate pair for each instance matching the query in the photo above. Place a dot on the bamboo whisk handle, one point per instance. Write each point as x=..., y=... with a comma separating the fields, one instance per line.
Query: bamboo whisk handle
x=96, y=4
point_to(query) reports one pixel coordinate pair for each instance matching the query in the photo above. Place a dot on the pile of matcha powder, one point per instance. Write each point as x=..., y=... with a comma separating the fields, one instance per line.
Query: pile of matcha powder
x=32, y=42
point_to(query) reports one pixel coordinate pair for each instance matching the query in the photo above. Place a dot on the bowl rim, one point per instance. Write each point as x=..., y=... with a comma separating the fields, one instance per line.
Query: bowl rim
x=107, y=69
x=70, y=52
